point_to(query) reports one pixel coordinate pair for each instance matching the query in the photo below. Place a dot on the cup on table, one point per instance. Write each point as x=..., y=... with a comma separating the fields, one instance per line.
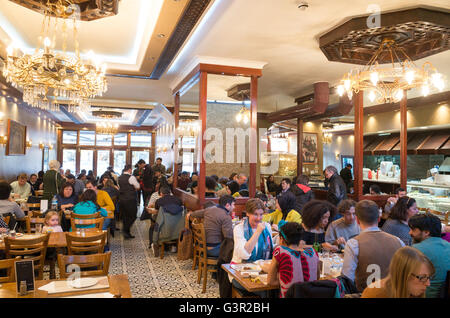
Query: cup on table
x=12, y=233
x=38, y=228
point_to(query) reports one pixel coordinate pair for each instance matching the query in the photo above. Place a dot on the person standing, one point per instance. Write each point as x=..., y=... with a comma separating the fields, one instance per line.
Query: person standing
x=337, y=190
x=127, y=199
x=52, y=180
x=158, y=166
x=302, y=192
x=138, y=174
x=346, y=175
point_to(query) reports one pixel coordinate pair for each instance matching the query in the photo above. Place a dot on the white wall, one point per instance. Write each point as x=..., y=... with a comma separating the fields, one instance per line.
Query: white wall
x=343, y=145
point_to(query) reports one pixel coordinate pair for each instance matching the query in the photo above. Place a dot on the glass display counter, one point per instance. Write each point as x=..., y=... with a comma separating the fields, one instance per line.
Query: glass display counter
x=431, y=196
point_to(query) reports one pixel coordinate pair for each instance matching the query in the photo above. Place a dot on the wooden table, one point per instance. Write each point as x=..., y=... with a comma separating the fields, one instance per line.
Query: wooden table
x=246, y=282
x=118, y=284
x=58, y=239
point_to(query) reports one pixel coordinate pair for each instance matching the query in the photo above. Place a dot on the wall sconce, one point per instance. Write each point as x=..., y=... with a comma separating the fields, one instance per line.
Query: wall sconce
x=3, y=140
x=50, y=146
x=327, y=138
x=41, y=145
x=29, y=144
x=2, y=114
x=337, y=155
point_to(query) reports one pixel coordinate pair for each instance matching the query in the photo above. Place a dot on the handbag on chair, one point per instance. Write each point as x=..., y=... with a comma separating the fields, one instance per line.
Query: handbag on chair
x=185, y=243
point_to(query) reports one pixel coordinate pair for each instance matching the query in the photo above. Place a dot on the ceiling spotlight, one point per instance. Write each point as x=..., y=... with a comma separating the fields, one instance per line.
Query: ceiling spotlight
x=303, y=5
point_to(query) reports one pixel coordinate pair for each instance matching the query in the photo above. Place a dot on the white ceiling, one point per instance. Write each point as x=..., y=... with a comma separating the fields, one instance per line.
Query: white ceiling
x=273, y=32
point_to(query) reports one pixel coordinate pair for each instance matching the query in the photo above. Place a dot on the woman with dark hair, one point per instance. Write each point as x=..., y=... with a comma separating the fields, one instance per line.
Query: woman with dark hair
x=210, y=184
x=271, y=185
x=40, y=179
x=147, y=182
x=67, y=199
x=291, y=263
x=285, y=211
x=316, y=216
x=88, y=205
x=233, y=186
x=397, y=223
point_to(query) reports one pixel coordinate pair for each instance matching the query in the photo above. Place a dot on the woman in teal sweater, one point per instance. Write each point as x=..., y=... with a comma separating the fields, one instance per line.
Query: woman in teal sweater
x=88, y=205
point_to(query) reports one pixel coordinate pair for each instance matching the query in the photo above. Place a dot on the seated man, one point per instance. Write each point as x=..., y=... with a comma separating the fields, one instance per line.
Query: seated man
x=372, y=250
x=399, y=192
x=78, y=185
x=7, y=205
x=103, y=200
x=344, y=228
x=426, y=233
x=374, y=190
x=171, y=204
x=21, y=188
x=217, y=223
x=242, y=181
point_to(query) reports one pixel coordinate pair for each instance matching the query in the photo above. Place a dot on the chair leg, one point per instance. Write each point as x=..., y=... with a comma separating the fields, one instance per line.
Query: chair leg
x=199, y=273
x=205, y=276
x=52, y=269
x=194, y=264
x=161, y=253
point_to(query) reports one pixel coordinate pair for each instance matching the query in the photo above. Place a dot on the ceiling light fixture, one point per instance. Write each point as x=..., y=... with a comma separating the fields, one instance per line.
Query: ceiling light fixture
x=387, y=83
x=49, y=77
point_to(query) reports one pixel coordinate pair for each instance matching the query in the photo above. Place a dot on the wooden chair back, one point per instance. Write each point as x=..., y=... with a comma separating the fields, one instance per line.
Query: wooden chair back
x=33, y=249
x=85, y=216
x=6, y=219
x=98, y=222
x=100, y=261
x=78, y=245
x=34, y=206
x=36, y=214
x=8, y=265
x=39, y=192
x=32, y=222
x=198, y=232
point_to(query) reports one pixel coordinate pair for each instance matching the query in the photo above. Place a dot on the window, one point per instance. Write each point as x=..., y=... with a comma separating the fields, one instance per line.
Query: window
x=188, y=162
x=87, y=160
x=69, y=159
x=87, y=138
x=120, y=140
x=120, y=159
x=102, y=161
x=188, y=142
x=138, y=155
x=69, y=137
x=104, y=140
x=279, y=144
x=141, y=140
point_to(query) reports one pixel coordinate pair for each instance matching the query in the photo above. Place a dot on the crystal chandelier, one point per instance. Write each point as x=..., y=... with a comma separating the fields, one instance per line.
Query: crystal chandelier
x=386, y=84
x=243, y=115
x=188, y=128
x=106, y=128
x=50, y=78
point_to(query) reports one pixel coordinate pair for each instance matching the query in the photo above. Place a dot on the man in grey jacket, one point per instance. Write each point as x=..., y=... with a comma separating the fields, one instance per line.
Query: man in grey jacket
x=217, y=223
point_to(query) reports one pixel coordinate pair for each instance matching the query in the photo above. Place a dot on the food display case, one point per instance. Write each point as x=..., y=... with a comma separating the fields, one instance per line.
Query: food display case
x=431, y=196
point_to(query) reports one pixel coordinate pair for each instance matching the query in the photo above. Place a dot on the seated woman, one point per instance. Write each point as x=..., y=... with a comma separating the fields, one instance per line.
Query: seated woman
x=316, y=216
x=397, y=222
x=7, y=205
x=252, y=237
x=271, y=185
x=291, y=263
x=233, y=188
x=409, y=276
x=88, y=205
x=210, y=191
x=285, y=211
x=66, y=201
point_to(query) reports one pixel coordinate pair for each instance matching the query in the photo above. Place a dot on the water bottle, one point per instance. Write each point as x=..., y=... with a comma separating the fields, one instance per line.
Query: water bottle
x=54, y=203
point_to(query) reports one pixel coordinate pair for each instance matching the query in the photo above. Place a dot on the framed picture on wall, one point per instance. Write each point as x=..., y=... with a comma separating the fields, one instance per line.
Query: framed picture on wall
x=17, y=139
x=45, y=158
x=310, y=154
x=347, y=160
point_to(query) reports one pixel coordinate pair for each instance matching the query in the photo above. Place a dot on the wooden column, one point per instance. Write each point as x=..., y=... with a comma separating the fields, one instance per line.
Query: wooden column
x=253, y=141
x=202, y=117
x=177, y=122
x=153, y=149
x=299, y=146
x=403, y=140
x=358, y=167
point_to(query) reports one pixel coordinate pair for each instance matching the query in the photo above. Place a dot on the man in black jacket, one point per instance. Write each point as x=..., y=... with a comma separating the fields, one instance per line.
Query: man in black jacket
x=346, y=175
x=337, y=190
x=302, y=192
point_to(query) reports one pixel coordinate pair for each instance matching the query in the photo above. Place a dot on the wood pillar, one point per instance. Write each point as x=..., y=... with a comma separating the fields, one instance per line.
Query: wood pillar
x=175, y=148
x=153, y=149
x=202, y=116
x=359, y=131
x=403, y=140
x=253, y=140
x=299, y=147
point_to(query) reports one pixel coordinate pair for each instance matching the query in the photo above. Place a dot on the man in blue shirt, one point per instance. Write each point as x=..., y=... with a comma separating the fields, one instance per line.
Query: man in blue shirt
x=426, y=233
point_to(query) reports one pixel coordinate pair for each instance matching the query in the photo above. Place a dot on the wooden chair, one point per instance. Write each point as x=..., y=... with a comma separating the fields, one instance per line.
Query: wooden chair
x=34, y=206
x=98, y=222
x=198, y=231
x=36, y=214
x=8, y=264
x=100, y=261
x=196, y=249
x=32, y=222
x=85, y=216
x=163, y=246
x=33, y=249
x=6, y=219
x=78, y=245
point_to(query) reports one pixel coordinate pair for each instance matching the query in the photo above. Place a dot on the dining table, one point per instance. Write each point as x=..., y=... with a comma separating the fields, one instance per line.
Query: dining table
x=119, y=287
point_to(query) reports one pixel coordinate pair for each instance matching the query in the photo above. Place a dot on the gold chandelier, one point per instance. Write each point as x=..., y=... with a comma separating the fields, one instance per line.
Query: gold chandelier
x=386, y=84
x=106, y=128
x=49, y=78
x=189, y=128
x=243, y=115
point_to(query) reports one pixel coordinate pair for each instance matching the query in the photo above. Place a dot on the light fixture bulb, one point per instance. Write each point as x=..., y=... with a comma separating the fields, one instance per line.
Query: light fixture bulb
x=425, y=90
x=409, y=76
x=47, y=42
x=340, y=90
x=239, y=117
x=10, y=50
x=374, y=78
x=436, y=79
x=245, y=119
x=347, y=84
x=399, y=94
x=372, y=96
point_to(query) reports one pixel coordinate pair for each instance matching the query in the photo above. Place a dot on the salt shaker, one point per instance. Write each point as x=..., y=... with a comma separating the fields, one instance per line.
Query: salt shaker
x=23, y=288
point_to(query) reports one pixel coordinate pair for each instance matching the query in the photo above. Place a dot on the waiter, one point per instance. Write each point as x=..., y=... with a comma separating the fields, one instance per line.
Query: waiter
x=127, y=200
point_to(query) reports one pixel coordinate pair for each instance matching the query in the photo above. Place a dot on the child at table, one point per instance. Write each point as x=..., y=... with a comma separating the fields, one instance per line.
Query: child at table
x=291, y=263
x=51, y=223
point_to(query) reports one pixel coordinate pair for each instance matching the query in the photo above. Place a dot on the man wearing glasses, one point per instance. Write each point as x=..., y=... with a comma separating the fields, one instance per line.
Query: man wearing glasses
x=426, y=234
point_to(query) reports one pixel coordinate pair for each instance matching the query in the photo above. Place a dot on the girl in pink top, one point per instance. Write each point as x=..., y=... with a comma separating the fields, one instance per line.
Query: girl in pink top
x=291, y=263
x=51, y=223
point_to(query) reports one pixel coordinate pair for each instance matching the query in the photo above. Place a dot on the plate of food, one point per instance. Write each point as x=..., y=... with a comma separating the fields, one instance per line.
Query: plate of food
x=83, y=282
x=19, y=234
x=247, y=267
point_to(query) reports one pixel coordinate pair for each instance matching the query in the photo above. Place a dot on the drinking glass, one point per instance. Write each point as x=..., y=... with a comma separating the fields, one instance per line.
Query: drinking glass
x=38, y=228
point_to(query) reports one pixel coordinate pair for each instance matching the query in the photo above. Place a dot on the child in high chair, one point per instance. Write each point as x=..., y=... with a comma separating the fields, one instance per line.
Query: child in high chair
x=51, y=223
